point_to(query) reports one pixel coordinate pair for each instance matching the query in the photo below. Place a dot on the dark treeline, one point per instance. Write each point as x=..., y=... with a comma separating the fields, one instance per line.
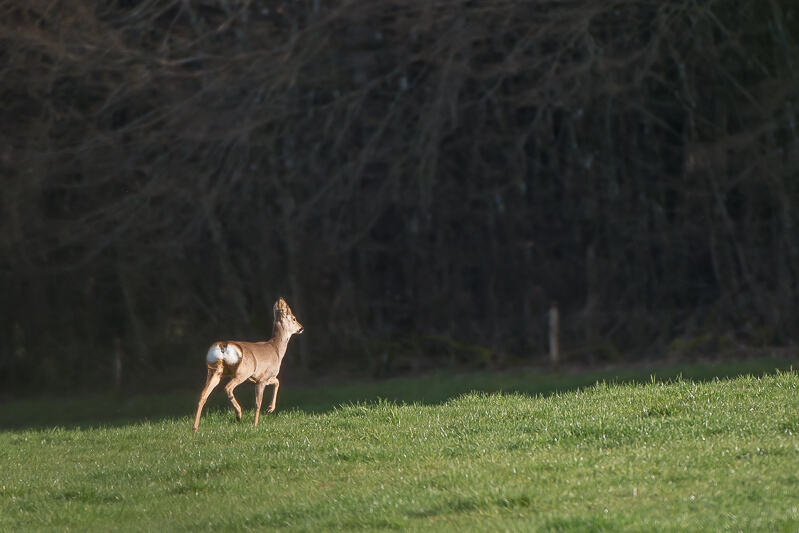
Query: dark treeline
x=420, y=180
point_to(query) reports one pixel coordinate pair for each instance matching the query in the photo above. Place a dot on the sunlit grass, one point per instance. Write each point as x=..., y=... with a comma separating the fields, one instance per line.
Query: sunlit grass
x=676, y=456
x=91, y=410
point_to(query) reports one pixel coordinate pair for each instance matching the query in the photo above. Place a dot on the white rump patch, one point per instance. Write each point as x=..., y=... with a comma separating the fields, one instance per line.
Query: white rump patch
x=230, y=353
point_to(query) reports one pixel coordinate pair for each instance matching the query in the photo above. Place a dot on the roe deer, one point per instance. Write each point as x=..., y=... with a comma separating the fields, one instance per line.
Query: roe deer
x=256, y=361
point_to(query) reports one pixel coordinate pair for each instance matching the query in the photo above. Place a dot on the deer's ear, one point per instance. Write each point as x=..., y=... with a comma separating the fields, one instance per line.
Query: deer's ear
x=281, y=308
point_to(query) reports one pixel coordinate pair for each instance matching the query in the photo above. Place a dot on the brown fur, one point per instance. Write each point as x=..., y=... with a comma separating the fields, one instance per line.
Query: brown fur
x=260, y=362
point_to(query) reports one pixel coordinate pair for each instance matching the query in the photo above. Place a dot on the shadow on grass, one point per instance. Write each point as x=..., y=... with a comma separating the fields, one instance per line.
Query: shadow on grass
x=106, y=410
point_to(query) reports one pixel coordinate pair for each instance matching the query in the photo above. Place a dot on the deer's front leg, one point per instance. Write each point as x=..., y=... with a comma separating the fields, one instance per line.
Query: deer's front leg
x=271, y=407
x=259, y=396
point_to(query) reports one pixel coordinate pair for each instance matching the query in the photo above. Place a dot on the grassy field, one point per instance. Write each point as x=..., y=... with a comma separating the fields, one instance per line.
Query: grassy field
x=684, y=455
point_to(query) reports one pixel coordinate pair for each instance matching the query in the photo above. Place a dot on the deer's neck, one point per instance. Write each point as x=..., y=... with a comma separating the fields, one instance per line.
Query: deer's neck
x=281, y=339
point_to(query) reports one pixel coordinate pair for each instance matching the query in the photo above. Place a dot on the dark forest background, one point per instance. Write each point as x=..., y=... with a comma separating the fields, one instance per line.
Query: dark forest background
x=420, y=180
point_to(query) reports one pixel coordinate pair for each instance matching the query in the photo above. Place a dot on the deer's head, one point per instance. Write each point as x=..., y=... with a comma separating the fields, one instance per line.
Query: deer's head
x=286, y=318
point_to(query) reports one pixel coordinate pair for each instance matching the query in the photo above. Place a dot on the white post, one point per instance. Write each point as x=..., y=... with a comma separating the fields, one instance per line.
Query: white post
x=554, y=333
x=117, y=367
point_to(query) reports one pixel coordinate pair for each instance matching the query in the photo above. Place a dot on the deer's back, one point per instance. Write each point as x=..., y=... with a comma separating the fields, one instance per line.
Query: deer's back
x=257, y=360
x=264, y=357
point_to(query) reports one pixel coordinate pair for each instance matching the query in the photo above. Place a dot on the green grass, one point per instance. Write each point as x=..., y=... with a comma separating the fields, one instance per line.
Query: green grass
x=678, y=456
x=90, y=411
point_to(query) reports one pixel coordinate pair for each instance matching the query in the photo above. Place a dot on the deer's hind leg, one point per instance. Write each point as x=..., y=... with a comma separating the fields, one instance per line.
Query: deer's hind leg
x=234, y=382
x=214, y=375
